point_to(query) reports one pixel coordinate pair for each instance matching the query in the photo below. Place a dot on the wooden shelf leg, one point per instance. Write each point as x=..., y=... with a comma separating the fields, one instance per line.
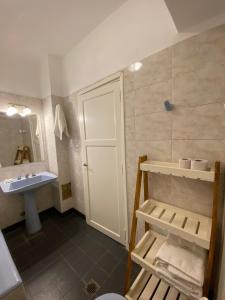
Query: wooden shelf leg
x=146, y=196
x=134, y=223
x=209, y=269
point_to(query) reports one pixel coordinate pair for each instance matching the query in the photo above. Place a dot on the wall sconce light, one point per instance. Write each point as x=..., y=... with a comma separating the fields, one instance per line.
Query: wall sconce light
x=135, y=66
x=25, y=112
x=11, y=111
x=22, y=110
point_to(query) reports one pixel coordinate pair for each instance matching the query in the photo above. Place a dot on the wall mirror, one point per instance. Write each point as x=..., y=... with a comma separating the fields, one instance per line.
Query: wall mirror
x=20, y=140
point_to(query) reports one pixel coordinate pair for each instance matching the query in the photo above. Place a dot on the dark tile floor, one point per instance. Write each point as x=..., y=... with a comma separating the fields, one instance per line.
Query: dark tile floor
x=60, y=261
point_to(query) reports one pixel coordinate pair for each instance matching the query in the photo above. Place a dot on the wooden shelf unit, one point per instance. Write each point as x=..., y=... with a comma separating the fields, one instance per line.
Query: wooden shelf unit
x=167, y=168
x=189, y=226
x=193, y=227
x=148, y=286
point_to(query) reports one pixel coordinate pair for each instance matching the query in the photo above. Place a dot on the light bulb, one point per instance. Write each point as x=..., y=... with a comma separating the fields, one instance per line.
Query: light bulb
x=26, y=111
x=135, y=66
x=22, y=114
x=12, y=110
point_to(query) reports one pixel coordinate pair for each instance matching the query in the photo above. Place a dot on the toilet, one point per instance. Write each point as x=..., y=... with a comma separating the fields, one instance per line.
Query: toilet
x=110, y=297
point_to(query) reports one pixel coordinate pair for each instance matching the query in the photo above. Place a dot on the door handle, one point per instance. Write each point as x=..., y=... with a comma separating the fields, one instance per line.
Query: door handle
x=85, y=165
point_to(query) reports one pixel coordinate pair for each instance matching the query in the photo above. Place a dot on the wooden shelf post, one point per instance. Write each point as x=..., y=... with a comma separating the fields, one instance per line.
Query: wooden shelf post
x=216, y=195
x=134, y=220
x=146, y=195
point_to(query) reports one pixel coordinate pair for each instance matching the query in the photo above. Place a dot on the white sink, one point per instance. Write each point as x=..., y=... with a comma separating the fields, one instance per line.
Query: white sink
x=27, y=186
x=15, y=185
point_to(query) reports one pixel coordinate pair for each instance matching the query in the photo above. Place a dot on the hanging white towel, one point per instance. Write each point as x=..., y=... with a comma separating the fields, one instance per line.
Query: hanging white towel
x=60, y=122
x=37, y=131
x=183, y=265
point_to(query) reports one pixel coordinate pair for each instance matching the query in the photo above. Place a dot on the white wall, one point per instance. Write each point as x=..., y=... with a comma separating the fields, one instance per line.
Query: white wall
x=51, y=76
x=45, y=78
x=20, y=76
x=55, y=73
x=32, y=78
x=186, y=13
x=136, y=30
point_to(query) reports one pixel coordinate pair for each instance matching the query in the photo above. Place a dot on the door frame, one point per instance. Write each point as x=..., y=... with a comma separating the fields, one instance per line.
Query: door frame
x=115, y=77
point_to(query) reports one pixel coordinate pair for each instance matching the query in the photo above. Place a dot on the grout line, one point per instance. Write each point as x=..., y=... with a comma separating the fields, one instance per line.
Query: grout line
x=179, y=106
x=182, y=139
x=38, y=272
x=173, y=102
x=218, y=101
x=70, y=266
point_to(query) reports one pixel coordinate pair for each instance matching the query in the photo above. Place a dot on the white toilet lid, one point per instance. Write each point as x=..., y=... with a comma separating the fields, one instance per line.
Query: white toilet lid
x=110, y=297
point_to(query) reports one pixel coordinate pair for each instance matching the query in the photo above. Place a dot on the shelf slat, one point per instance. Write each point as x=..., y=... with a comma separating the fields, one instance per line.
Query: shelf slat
x=173, y=169
x=189, y=226
x=145, y=251
x=148, y=286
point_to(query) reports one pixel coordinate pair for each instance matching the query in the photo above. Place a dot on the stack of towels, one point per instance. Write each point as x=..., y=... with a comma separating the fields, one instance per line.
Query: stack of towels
x=182, y=265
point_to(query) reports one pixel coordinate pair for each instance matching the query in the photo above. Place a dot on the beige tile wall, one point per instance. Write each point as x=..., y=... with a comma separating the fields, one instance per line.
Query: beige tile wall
x=74, y=152
x=63, y=160
x=191, y=75
x=59, y=162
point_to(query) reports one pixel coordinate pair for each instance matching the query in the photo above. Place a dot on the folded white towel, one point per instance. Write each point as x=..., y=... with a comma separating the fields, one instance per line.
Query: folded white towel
x=183, y=264
x=190, y=290
x=60, y=122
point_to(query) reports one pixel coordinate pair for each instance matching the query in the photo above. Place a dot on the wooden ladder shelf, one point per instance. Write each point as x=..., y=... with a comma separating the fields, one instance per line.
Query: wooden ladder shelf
x=189, y=226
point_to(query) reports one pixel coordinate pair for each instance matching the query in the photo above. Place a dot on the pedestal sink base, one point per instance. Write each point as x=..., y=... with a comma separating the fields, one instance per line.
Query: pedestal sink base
x=26, y=185
x=32, y=219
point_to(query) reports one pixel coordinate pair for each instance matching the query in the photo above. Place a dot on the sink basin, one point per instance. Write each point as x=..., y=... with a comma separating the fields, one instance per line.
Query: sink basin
x=15, y=185
x=27, y=186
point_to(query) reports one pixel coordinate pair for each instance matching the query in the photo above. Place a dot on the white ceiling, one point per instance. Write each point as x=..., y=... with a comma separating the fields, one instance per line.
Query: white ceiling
x=188, y=13
x=32, y=28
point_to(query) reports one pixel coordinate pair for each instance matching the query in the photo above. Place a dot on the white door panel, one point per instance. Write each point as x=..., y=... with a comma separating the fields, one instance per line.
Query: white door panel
x=101, y=115
x=103, y=187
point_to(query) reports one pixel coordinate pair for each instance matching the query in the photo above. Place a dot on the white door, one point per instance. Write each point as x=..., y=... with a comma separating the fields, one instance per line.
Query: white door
x=101, y=123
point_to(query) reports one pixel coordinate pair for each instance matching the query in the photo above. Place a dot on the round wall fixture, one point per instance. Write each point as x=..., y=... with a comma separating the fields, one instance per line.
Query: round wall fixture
x=135, y=66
